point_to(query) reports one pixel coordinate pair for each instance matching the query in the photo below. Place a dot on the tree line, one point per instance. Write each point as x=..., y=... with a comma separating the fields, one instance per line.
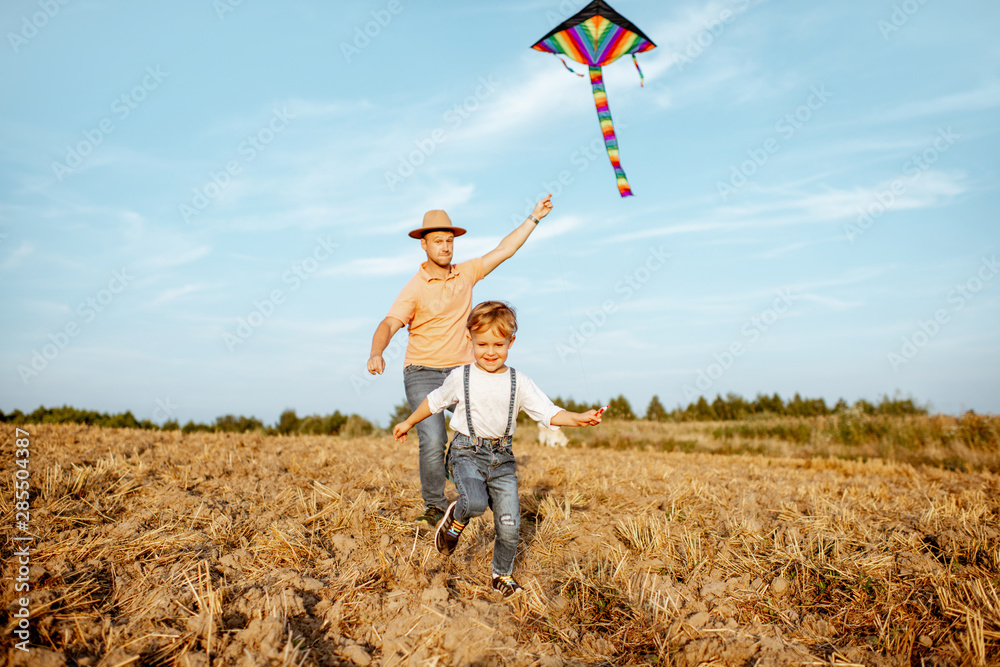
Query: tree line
x=734, y=407
x=731, y=408
x=289, y=423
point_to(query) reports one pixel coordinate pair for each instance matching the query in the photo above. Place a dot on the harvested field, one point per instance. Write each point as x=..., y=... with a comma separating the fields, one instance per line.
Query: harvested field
x=969, y=442
x=240, y=549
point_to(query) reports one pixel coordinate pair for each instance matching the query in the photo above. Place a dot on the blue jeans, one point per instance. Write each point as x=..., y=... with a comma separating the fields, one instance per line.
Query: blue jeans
x=487, y=477
x=432, y=433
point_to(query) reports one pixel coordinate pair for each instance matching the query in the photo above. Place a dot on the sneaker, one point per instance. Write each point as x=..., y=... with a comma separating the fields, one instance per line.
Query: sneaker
x=506, y=584
x=446, y=538
x=429, y=519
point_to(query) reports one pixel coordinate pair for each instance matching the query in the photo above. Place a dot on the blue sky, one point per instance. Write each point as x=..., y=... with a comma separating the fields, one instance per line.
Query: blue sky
x=204, y=205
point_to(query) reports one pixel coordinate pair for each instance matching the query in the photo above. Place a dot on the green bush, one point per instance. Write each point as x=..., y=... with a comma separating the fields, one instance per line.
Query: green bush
x=191, y=427
x=322, y=425
x=288, y=422
x=572, y=406
x=402, y=411
x=977, y=432
x=241, y=424
x=357, y=426
x=655, y=412
x=797, y=432
x=619, y=408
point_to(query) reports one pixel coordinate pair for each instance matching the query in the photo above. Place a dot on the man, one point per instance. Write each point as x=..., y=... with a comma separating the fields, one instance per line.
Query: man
x=435, y=304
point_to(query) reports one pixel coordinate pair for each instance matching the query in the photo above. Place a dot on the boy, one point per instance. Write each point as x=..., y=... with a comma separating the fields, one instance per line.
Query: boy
x=489, y=395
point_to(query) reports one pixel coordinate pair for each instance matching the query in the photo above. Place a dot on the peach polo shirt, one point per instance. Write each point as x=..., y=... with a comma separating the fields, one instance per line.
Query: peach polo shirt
x=435, y=311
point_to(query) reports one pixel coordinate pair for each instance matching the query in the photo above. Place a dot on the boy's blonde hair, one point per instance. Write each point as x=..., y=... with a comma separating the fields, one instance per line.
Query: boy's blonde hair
x=493, y=315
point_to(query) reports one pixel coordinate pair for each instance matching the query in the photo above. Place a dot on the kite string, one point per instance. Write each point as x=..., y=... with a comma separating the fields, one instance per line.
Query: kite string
x=569, y=309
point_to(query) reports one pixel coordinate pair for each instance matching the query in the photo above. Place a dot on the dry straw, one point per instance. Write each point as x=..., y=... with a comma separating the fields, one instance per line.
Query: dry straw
x=222, y=549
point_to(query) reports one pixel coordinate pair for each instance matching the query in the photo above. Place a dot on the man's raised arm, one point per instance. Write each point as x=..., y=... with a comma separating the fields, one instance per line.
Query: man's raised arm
x=386, y=329
x=510, y=244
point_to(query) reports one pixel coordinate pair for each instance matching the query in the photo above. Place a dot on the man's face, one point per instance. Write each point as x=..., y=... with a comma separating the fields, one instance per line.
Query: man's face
x=438, y=246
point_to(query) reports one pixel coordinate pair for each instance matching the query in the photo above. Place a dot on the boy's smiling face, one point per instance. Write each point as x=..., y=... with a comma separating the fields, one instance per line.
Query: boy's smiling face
x=490, y=349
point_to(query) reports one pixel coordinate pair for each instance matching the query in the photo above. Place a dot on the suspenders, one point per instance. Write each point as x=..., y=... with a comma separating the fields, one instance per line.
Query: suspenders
x=507, y=437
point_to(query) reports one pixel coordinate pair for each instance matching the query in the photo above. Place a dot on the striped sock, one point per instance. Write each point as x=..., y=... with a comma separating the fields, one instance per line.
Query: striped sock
x=456, y=528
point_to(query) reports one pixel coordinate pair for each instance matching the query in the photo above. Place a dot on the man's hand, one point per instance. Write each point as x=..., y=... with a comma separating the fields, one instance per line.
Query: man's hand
x=376, y=364
x=543, y=207
x=399, y=431
x=589, y=418
x=384, y=332
x=510, y=243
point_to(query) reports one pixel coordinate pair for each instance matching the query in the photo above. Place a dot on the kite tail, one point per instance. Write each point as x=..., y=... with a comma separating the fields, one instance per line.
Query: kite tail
x=642, y=79
x=569, y=68
x=608, y=129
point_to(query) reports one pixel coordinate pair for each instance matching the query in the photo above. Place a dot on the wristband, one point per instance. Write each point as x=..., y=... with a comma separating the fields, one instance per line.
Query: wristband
x=534, y=219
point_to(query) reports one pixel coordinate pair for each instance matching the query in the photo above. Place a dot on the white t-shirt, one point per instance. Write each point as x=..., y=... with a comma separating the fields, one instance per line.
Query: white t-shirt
x=489, y=394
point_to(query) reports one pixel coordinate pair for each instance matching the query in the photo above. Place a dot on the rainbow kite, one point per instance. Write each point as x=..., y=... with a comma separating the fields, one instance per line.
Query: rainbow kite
x=596, y=36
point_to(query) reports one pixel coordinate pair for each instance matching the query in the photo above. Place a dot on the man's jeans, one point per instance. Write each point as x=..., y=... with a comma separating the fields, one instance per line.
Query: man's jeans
x=487, y=477
x=431, y=432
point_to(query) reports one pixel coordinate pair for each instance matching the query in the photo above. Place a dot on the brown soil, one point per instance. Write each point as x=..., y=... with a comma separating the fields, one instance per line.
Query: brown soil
x=160, y=548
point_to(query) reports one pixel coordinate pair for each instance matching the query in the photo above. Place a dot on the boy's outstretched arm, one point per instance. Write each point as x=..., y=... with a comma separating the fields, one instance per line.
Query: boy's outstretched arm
x=567, y=418
x=516, y=238
x=422, y=412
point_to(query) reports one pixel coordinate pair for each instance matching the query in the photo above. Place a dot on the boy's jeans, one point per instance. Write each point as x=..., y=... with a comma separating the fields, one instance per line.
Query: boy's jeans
x=432, y=433
x=487, y=477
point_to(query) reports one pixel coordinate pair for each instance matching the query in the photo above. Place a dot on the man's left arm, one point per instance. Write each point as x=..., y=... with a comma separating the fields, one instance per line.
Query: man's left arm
x=516, y=238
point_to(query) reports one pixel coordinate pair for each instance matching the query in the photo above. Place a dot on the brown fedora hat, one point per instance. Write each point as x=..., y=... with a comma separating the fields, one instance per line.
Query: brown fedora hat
x=436, y=221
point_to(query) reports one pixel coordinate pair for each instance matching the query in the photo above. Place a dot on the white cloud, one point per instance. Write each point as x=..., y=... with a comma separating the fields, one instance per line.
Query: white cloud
x=402, y=263
x=832, y=303
x=540, y=95
x=177, y=292
x=466, y=247
x=182, y=253
x=986, y=96
x=674, y=37
x=550, y=228
x=15, y=258
x=326, y=327
x=47, y=308
x=929, y=189
x=448, y=197
x=785, y=249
